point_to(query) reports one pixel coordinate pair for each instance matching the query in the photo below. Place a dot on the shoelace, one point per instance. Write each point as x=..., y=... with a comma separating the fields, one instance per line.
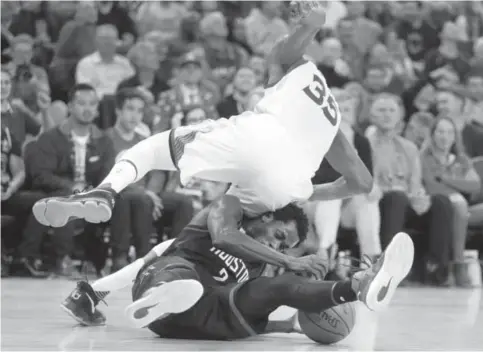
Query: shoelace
x=91, y=290
x=85, y=189
x=365, y=260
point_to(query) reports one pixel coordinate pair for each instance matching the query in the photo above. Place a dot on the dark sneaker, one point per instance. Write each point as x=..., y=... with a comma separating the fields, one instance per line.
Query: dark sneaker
x=93, y=206
x=81, y=305
x=376, y=285
x=168, y=298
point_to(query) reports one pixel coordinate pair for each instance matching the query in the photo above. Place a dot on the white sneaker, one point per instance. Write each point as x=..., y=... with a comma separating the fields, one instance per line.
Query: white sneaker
x=168, y=298
x=375, y=286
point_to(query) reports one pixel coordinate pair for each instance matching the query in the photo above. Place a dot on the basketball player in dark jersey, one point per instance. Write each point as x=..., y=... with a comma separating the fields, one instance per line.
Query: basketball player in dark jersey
x=208, y=283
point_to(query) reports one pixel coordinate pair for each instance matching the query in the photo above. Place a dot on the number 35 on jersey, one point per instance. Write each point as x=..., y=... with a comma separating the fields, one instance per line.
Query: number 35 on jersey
x=319, y=93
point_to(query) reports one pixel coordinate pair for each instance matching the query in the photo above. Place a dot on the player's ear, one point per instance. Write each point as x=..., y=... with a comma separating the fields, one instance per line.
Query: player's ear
x=267, y=217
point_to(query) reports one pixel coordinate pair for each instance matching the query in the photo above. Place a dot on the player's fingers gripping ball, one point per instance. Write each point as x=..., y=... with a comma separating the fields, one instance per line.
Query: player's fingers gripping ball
x=329, y=326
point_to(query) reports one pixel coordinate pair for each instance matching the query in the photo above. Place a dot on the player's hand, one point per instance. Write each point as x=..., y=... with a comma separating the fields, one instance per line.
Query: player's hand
x=311, y=13
x=311, y=264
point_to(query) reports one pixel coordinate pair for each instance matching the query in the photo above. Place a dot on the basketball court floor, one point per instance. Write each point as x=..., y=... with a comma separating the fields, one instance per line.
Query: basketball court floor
x=418, y=319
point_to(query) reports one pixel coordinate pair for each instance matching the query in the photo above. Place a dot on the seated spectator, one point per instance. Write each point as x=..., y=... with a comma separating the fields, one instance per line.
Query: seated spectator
x=418, y=35
x=109, y=12
x=19, y=119
x=236, y=102
x=264, y=27
x=397, y=171
x=144, y=58
x=351, y=52
x=448, y=171
x=330, y=63
x=164, y=16
x=360, y=212
x=259, y=66
x=223, y=57
x=238, y=34
x=104, y=69
x=448, y=52
x=254, y=97
x=451, y=104
x=18, y=203
x=187, y=93
x=76, y=40
x=69, y=158
x=418, y=129
x=132, y=218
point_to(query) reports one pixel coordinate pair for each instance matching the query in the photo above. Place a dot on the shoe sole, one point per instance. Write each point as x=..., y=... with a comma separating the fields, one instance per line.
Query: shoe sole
x=57, y=212
x=169, y=298
x=398, y=260
x=76, y=318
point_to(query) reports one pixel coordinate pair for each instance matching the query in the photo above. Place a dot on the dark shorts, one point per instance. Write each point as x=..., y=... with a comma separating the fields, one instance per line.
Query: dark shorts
x=214, y=317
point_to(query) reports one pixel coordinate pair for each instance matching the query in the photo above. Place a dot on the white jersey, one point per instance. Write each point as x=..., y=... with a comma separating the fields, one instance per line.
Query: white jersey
x=303, y=104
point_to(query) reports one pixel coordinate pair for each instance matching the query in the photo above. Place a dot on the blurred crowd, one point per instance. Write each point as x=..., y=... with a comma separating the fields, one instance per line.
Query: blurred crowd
x=82, y=81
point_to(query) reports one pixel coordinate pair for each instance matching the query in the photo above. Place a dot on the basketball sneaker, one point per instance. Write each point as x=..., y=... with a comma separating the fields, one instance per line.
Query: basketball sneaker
x=81, y=305
x=167, y=298
x=376, y=285
x=93, y=206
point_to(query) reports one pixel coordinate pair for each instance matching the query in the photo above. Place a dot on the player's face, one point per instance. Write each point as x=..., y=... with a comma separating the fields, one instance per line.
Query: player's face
x=131, y=114
x=275, y=234
x=84, y=106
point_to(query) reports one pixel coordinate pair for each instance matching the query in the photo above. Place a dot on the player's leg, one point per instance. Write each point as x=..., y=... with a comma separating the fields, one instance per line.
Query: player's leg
x=374, y=286
x=82, y=302
x=169, y=285
x=208, y=150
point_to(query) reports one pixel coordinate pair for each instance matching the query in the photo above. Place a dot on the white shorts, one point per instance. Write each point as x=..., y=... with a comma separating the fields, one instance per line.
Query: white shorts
x=251, y=151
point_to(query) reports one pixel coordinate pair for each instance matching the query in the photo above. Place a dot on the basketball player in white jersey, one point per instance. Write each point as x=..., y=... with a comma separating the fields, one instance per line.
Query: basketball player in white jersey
x=269, y=155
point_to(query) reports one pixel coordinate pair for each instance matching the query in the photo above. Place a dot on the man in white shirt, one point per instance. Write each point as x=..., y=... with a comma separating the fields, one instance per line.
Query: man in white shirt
x=104, y=69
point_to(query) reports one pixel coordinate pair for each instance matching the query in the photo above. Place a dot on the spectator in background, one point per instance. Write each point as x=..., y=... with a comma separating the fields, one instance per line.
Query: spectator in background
x=472, y=19
x=366, y=33
x=254, y=97
x=448, y=171
x=264, y=27
x=351, y=52
x=164, y=16
x=418, y=35
x=109, y=12
x=238, y=35
x=144, y=58
x=165, y=57
x=17, y=118
x=69, y=158
x=104, y=69
x=397, y=171
x=18, y=203
x=330, y=63
x=418, y=129
x=236, y=102
x=133, y=216
x=188, y=92
x=76, y=40
x=448, y=52
x=223, y=57
x=259, y=66
x=451, y=104
x=477, y=60
x=360, y=212
x=57, y=14
x=28, y=78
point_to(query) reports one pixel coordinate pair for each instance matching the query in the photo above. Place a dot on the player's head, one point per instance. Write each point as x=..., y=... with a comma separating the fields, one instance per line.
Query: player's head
x=130, y=106
x=282, y=229
x=83, y=103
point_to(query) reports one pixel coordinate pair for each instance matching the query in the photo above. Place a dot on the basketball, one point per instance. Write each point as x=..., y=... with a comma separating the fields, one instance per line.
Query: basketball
x=329, y=326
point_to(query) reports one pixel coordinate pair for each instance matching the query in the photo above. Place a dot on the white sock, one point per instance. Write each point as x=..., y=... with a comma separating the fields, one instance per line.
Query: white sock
x=153, y=153
x=117, y=281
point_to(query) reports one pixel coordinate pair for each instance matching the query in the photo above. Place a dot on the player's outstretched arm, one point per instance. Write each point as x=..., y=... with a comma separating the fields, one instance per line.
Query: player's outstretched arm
x=223, y=222
x=356, y=178
x=288, y=51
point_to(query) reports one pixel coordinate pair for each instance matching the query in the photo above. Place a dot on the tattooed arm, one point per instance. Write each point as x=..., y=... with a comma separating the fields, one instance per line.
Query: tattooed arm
x=223, y=223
